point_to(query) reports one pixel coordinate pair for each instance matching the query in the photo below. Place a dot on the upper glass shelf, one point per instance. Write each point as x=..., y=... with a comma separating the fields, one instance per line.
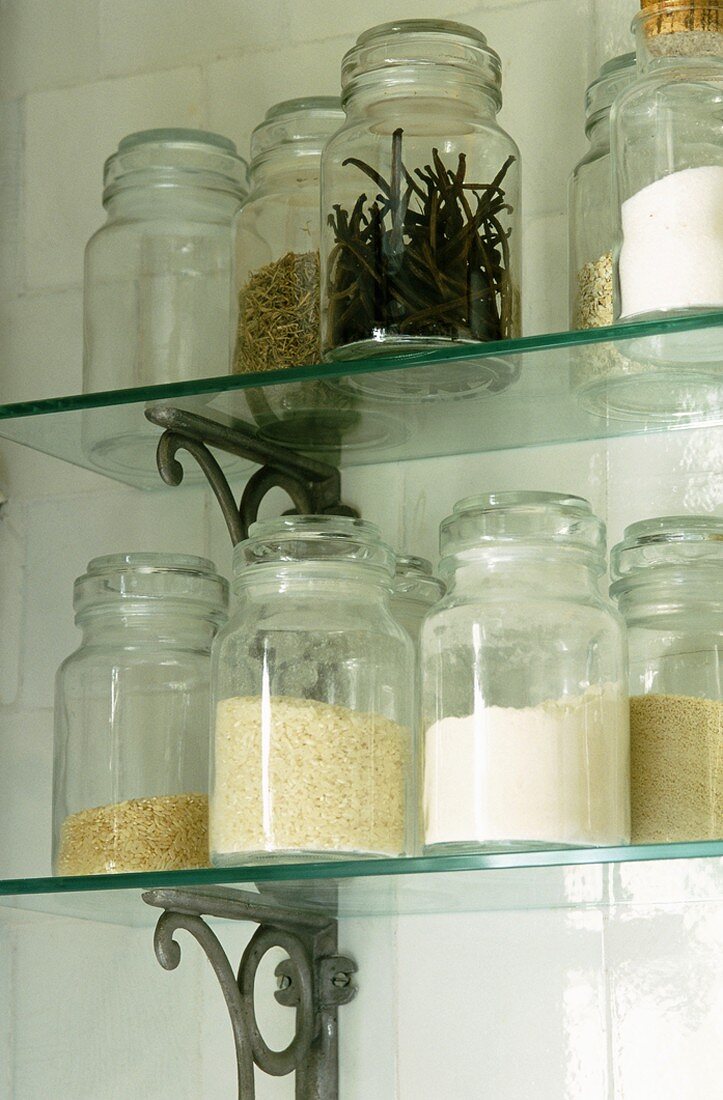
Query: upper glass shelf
x=560, y=387
x=559, y=878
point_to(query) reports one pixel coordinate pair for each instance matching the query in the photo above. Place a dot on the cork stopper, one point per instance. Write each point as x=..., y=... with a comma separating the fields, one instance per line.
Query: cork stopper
x=682, y=16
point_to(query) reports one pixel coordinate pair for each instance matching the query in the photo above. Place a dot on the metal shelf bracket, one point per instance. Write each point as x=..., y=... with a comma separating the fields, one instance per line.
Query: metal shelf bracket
x=314, y=486
x=314, y=980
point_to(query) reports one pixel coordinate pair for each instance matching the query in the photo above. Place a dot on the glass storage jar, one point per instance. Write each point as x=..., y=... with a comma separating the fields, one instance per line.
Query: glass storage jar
x=313, y=692
x=668, y=581
x=277, y=234
x=158, y=294
x=592, y=220
x=415, y=590
x=277, y=237
x=524, y=681
x=420, y=196
x=130, y=786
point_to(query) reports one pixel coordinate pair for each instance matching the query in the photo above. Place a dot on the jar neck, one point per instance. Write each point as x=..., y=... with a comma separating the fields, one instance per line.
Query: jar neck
x=129, y=626
x=598, y=132
x=282, y=170
x=687, y=35
x=669, y=590
x=557, y=575
x=381, y=95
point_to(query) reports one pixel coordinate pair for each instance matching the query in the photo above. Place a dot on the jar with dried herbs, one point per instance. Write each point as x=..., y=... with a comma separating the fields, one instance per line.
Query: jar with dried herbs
x=591, y=214
x=420, y=196
x=277, y=237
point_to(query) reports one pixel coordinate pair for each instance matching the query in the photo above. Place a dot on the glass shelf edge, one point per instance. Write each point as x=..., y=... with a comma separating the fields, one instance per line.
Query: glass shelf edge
x=358, y=869
x=349, y=367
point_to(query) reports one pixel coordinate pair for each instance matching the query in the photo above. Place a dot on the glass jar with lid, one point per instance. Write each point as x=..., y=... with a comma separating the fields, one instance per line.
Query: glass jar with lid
x=277, y=237
x=592, y=220
x=668, y=582
x=158, y=294
x=313, y=692
x=420, y=196
x=668, y=162
x=415, y=591
x=524, y=681
x=130, y=787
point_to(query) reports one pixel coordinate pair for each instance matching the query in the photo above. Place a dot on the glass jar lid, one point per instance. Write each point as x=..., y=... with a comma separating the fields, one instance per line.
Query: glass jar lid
x=299, y=127
x=614, y=75
x=667, y=540
x=331, y=540
x=392, y=49
x=174, y=156
x=523, y=519
x=152, y=579
x=414, y=579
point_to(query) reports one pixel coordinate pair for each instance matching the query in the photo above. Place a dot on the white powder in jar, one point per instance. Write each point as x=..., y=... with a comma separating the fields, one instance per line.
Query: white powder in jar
x=557, y=773
x=672, y=253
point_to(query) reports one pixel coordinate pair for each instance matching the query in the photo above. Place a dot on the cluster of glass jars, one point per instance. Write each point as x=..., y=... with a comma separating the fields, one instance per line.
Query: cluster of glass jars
x=357, y=709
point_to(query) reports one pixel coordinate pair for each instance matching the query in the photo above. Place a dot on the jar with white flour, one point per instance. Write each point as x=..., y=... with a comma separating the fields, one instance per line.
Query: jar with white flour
x=667, y=150
x=524, y=682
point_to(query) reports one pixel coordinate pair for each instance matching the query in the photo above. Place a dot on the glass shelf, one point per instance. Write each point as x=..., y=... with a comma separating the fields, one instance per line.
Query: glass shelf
x=560, y=387
x=559, y=878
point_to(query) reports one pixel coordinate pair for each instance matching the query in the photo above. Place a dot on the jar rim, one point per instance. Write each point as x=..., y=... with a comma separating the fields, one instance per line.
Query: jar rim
x=413, y=576
x=152, y=577
x=394, y=46
x=525, y=518
x=176, y=155
x=299, y=126
x=666, y=540
x=300, y=540
x=614, y=75
x=660, y=20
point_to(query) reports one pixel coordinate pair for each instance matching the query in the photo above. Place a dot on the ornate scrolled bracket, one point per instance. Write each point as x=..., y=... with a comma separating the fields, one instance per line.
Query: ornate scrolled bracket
x=314, y=487
x=313, y=979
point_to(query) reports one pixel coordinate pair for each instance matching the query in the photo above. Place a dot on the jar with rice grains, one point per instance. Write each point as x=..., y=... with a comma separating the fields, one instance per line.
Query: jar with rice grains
x=130, y=785
x=668, y=582
x=313, y=693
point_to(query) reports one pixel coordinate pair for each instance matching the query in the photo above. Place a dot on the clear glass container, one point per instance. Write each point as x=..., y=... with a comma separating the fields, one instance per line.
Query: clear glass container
x=592, y=220
x=313, y=690
x=667, y=143
x=524, y=682
x=277, y=235
x=420, y=196
x=130, y=786
x=158, y=296
x=415, y=591
x=668, y=582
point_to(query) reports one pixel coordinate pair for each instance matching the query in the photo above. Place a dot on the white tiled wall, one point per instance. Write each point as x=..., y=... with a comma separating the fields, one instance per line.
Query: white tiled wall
x=624, y=1004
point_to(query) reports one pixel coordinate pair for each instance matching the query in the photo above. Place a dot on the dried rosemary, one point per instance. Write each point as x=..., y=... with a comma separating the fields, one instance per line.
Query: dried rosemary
x=279, y=315
x=428, y=256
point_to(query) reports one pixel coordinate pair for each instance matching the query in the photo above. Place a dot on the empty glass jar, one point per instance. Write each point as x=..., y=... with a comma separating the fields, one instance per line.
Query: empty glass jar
x=524, y=681
x=668, y=581
x=158, y=295
x=592, y=219
x=420, y=196
x=313, y=691
x=130, y=787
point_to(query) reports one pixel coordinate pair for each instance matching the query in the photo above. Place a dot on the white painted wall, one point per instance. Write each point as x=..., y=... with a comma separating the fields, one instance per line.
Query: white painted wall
x=623, y=1002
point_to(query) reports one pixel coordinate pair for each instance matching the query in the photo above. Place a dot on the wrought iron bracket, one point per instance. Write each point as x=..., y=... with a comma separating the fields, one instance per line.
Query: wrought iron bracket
x=314, y=980
x=314, y=486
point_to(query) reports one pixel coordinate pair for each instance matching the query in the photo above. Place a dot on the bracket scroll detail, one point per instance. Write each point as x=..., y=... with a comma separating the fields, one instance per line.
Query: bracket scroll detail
x=314, y=980
x=314, y=486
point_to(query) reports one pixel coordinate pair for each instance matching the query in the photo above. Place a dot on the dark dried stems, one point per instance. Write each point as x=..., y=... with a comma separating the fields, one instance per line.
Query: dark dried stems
x=428, y=256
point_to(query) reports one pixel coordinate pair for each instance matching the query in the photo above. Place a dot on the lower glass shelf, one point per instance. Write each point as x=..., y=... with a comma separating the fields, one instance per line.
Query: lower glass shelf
x=568, y=878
